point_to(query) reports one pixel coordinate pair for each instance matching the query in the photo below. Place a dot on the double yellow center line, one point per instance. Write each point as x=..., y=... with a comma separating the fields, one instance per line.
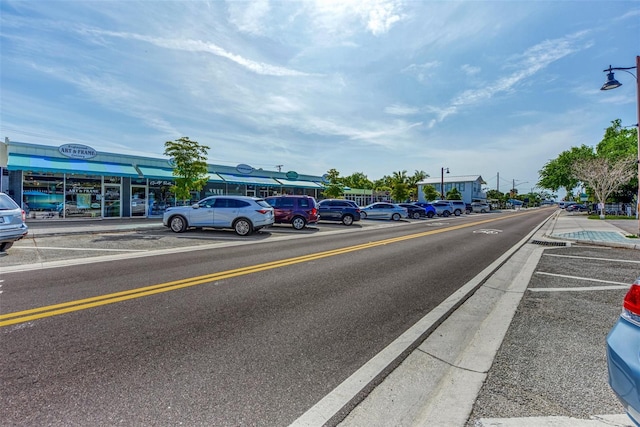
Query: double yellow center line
x=83, y=304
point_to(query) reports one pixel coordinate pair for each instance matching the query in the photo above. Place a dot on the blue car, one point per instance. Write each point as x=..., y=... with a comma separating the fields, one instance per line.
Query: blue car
x=623, y=354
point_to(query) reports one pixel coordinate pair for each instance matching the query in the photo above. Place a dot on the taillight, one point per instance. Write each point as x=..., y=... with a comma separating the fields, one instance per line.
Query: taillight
x=263, y=211
x=314, y=211
x=632, y=299
x=24, y=216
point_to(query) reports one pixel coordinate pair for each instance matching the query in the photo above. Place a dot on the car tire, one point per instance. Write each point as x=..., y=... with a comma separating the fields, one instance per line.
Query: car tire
x=483, y=211
x=242, y=227
x=446, y=214
x=298, y=222
x=178, y=224
x=429, y=215
x=363, y=215
x=4, y=246
x=415, y=215
x=395, y=217
x=347, y=220
x=457, y=212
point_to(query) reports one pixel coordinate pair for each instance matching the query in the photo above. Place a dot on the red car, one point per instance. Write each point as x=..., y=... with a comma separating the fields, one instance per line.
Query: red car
x=299, y=211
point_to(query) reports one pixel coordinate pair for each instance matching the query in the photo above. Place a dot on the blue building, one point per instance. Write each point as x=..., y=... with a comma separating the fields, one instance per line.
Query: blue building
x=469, y=186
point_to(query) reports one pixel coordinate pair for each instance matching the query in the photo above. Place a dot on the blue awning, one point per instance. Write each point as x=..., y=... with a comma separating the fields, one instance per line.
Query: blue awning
x=61, y=165
x=250, y=180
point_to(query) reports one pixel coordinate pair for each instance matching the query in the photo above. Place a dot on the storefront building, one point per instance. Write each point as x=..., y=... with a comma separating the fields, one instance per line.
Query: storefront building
x=76, y=181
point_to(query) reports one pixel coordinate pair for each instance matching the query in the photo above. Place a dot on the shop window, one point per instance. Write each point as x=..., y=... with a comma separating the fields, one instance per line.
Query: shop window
x=83, y=196
x=42, y=194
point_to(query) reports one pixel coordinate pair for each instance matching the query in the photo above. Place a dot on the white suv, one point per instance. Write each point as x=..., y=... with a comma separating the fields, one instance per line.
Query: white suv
x=12, y=226
x=459, y=207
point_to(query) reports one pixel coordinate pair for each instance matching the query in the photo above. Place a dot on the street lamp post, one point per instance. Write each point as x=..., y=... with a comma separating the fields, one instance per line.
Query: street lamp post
x=612, y=83
x=442, y=170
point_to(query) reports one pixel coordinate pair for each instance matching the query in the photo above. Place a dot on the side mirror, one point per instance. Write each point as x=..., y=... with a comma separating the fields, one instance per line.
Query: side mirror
x=195, y=206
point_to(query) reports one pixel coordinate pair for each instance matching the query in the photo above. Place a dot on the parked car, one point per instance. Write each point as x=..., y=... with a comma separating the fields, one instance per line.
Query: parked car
x=443, y=208
x=480, y=207
x=12, y=222
x=299, y=211
x=384, y=210
x=341, y=210
x=241, y=213
x=428, y=207
x=623, y=358
x=458, y=206
x=576, y=207
x=414, y=211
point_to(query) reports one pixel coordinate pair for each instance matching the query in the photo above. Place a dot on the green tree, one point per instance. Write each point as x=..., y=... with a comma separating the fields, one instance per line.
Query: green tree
x=430, y=192
x=357, y=180
x=190, y=166
x=557, y=173
x=412, y=183
x=618, y=143
x=335, y=188
x=454, y=194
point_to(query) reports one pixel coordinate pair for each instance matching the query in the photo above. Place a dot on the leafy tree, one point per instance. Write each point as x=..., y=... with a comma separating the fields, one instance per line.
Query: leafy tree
x=603, y=175
x=357, y=180
x=336, y=187
x=412, y=183
x=400, y=192
x=557, y=173
x=454, y=194
x=617, y=143
x=430, y=192
x=190, y=166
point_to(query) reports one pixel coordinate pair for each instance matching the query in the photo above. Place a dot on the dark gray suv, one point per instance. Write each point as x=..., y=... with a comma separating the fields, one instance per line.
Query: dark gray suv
x=341, y=210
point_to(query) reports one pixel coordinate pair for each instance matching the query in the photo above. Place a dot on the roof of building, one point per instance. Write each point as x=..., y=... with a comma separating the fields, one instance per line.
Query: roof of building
x=449, y=179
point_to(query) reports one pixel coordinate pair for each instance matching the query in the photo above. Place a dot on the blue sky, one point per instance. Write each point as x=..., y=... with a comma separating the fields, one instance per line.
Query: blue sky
x=490, y=88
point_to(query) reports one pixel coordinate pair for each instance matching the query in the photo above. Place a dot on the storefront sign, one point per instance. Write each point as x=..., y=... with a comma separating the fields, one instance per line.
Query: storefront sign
x=77, y=151
x=244, y=169
x=292, y=175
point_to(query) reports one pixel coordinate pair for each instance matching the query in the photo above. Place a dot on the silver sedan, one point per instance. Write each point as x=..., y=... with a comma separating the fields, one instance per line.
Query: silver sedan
x=383, y=210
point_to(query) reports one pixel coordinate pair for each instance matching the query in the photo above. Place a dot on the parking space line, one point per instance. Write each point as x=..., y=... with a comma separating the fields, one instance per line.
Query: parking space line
x=80, y=249
x=594, y=258
x=612, y=286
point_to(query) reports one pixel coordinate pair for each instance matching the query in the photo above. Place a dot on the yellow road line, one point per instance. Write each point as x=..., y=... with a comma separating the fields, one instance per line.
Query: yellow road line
x=82, y=304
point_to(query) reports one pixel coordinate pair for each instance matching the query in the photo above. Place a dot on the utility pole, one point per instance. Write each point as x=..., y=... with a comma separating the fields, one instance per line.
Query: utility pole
x=279, y=167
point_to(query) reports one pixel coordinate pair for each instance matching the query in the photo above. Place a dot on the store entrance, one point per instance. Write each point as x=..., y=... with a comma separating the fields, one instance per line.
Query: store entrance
x=112, y=207
x=138, y=200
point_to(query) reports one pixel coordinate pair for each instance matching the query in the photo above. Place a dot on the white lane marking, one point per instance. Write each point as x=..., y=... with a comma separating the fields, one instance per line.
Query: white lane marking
x=594, y=258
x=487, y=231
x=613, y=420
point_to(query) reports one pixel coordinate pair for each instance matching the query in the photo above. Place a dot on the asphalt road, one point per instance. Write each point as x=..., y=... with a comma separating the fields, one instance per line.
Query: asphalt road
x=231, y=334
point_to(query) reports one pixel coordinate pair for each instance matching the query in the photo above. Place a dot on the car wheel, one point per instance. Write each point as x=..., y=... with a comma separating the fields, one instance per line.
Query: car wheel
x=395, y=217
x=416, y=215
x=457, y=212
x=178, y=224
x=429, y=215
x=298, y=223
x=347, y=220
x=4, y=246
x=446, y=214
x=483, y=211
x=242, y=227
x=363, y=215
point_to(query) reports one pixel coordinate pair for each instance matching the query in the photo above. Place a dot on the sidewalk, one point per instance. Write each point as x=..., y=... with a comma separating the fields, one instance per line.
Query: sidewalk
x=577, y=227
x=39, y=228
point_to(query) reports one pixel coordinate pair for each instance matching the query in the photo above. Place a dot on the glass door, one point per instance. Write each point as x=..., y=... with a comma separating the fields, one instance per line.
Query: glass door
x=138, y=200
x=112, y=208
